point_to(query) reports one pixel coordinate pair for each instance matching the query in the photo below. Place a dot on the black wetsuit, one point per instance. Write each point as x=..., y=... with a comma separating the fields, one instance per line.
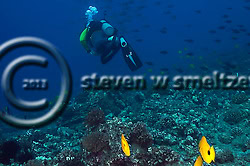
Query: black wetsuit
x=107, y=49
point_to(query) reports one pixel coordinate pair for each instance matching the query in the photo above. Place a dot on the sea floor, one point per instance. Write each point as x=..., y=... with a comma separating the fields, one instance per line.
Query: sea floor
x=161, y=127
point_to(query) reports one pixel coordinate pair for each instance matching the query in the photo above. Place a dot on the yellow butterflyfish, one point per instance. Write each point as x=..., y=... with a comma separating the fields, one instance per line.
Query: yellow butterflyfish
x=125, y=146
x=198, y=161
x=207, y=152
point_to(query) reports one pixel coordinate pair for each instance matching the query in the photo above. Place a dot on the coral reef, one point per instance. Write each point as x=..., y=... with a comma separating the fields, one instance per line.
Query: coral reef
x=68, y=158
x=34, y=163
x=224, y=156
x=13, y=150
x=240, y=98
x=161, y=127
x=235, y=116
x=225, y=139
x=140, y=136
x=95, y=117
x=95, y=142
x=8, y=151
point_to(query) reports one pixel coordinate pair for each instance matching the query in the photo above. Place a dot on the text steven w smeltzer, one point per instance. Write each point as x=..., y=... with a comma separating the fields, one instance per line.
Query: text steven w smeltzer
x=179, y=82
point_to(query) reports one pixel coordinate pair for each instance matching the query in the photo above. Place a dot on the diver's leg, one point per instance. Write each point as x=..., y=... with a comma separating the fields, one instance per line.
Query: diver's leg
x=106, y=57
x=110, y=49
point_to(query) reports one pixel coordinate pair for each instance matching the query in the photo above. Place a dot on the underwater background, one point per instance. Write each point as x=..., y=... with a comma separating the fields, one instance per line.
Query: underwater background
x=171, y=37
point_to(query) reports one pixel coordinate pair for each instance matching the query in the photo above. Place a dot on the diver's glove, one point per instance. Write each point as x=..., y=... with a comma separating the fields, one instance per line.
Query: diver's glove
x=90, y=13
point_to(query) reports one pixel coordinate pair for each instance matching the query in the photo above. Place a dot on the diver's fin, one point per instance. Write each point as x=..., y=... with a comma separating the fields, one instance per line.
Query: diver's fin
x=132, y=60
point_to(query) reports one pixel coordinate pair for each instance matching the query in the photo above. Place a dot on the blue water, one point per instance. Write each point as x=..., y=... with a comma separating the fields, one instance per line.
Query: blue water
x=61, y=22
x=149, y=26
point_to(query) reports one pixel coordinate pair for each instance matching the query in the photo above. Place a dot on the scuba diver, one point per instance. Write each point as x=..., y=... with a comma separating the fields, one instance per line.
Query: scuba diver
x=101, y=39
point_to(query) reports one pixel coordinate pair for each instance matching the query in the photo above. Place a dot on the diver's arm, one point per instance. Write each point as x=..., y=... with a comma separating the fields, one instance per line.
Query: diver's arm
x=83, y=40
x=88, y=31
